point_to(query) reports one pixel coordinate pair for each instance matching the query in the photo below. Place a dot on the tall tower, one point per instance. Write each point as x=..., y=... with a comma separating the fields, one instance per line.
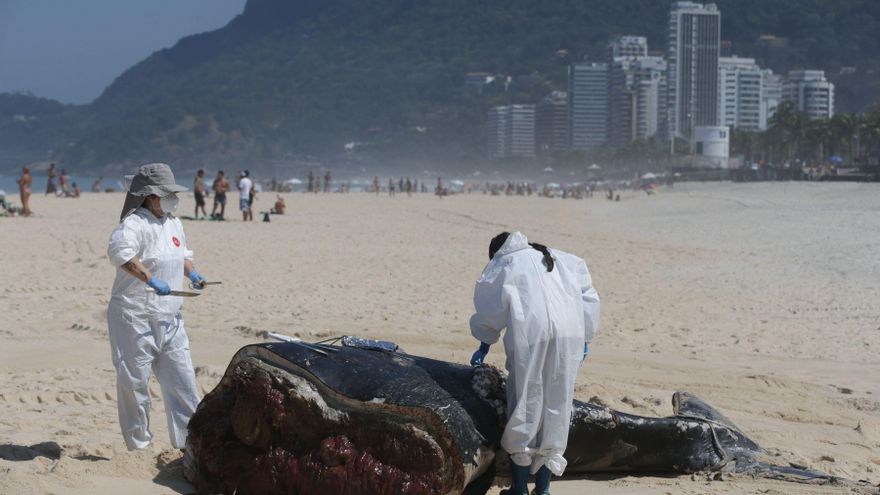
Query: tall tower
x=587, y=105
x=511, y=131
x=694, y=49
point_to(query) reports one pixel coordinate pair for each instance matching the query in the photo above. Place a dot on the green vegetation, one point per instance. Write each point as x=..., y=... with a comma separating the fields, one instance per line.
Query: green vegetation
x=793, y=136
x=289, y=80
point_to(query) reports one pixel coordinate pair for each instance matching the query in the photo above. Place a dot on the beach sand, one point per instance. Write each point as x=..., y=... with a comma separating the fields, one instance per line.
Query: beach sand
x=759, y=298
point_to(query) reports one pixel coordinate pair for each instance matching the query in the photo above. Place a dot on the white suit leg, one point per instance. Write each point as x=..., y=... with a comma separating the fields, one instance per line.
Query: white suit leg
x=174, y=371
x=133, y=351
x=525, y=396
x=560, y=374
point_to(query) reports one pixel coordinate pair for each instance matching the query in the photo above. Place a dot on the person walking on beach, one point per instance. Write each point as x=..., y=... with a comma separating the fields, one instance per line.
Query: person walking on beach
x=147, y=333
x=96, y=186
x=220, y=186
x=376, y=185
x=391, y=187
x=244, y=189
x=50, y=183
x=199, y=193
x=327, y=181
x=546, y=301
x=24, y=189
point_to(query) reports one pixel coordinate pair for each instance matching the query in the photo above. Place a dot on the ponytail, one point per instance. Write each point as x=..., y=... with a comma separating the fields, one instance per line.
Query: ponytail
x=500, y=239
x=548, y=259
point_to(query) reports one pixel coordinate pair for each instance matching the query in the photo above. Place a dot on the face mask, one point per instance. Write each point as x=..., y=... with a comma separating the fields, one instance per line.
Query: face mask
x=169, y=203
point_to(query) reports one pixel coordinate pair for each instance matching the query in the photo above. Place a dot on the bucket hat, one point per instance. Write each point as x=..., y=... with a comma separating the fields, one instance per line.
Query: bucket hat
x=152, y=178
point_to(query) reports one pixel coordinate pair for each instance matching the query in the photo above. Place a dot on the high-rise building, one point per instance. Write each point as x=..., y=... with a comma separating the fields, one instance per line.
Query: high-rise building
x=741, y=94
x=551, y=123
x=810, y=92
x=694, y=49
x=651, y=97
x=511, y=131
x=636, y=98
x=587, y=105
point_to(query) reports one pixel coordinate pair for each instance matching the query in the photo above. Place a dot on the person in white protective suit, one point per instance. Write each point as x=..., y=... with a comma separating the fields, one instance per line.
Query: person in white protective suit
x=546, y=301
x=149, y=249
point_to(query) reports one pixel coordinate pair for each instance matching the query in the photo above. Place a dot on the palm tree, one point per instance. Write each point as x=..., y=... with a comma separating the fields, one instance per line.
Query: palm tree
x=819, y=139
x=745, y=143
x=787, y=130
x=843, y=128
x=869, y=133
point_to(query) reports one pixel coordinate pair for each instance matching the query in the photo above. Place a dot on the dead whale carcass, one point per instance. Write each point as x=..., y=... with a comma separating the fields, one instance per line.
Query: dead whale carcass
x=299, y=418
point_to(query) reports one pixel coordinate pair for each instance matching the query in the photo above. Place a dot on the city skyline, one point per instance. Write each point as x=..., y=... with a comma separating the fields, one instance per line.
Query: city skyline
x=635, y=95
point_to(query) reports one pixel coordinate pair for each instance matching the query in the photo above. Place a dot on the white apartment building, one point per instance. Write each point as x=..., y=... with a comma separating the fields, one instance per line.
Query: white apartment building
x=741, y=94
x=628, y=47
x=637, y=98
x=810, y=92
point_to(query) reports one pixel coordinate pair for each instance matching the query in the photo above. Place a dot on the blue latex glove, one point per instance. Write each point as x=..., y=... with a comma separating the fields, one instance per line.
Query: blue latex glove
x=159, y=286
x=196, y=279
x=480, y=355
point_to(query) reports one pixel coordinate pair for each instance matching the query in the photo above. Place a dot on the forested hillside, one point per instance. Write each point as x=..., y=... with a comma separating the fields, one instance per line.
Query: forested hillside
x=291, y=79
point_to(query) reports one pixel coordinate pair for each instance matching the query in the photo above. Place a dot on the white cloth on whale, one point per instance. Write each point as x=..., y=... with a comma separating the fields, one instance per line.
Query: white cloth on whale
x=147, y=332
x=548, y=316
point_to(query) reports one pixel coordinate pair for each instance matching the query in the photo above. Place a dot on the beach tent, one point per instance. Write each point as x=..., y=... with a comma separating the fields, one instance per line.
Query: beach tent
x=548, y=169
x=649, y=175
x=594, y=167
x=293, y=181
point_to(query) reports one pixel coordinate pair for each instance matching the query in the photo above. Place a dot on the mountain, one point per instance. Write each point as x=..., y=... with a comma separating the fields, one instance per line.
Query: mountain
x=32, y=128
x=295, y=80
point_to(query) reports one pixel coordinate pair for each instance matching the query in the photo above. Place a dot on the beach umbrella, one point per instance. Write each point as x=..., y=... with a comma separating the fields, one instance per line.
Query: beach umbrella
x=293, y=181
x=594, y=167
x=456, y=182
x=548, y=169
x=552, y=185
x=836, y=159
x=649, y=175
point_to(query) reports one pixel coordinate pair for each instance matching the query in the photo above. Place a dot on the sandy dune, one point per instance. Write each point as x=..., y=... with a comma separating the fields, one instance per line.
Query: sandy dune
x=761, y=299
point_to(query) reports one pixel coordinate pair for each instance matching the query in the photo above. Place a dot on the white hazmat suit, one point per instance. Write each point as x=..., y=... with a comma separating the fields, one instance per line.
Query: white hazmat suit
x=147, y=331
x=548, y=316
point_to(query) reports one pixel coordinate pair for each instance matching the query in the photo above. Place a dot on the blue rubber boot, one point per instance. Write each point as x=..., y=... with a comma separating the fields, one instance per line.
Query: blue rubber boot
x=542, y=481
x=520, y=480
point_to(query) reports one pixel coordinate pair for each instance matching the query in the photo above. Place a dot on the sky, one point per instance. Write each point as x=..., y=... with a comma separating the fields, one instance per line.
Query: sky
x=71, y=50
